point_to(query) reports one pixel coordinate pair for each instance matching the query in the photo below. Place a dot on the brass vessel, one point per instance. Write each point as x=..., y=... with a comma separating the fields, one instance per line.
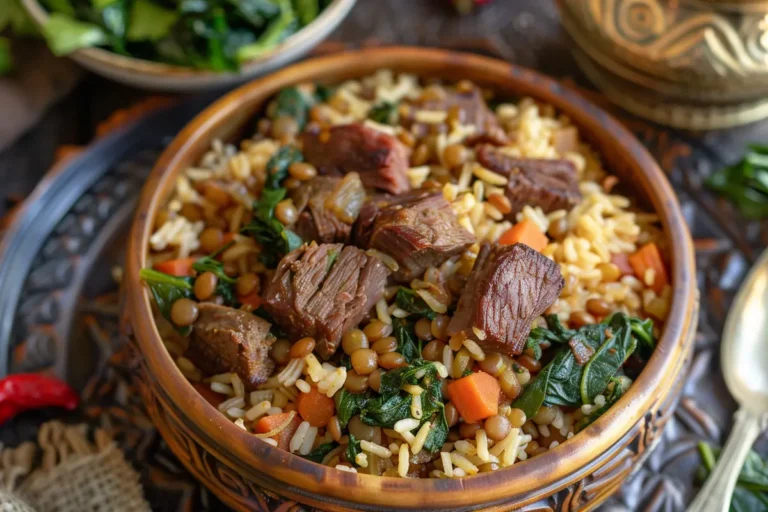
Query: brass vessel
x=694, y=64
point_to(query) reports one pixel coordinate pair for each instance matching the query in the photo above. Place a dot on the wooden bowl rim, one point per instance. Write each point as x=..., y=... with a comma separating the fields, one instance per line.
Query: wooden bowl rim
x=337, y=10
x=545, y=473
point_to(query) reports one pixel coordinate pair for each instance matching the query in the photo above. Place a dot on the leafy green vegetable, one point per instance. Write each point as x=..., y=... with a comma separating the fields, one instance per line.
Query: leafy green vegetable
x=225, y=285
x=407, y=343
x=751, y=491
x=615, y=390
x=167, y=289
x=386, y=410
x=348, y=404
x=277, y=166
x=353, y=449
x=319, y=453
x=149, y=21
x=393, y=380
x=15, y=17
x=292, y=103
x=407, y=299
x=276, y=240
x=438, y=433
x=307, y=10
x=384, y=113
x=65, y=6
x=277, y=30
x=324, y=92
x=745, y=183
x=6, y=62
x=65, y=34
x=563, y=381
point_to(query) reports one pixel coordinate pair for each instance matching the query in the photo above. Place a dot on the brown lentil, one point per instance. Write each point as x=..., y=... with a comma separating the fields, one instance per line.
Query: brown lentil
x=284, y=126
x=247, y=284
x=517, y=417
x=492, y=364
x=364, y=361
x=384, y=345
x=360, y=430
x=469, y=430
x=423, y=329
x=420, y=155
x=334, y=428
x=509, y=384
x=205, y=285
x=192, y=212
x=454, y=155
x=291, y=183
x=545, y=415
x=392, y=360
x=598, y=307
x=302, y=171
x=184, y=312
x=406, y=138
x=355, y=382
x=433, y=351
x=302, y=348
x=230, y=268
x=497, y=427
x=217, y=195
x=580, y=319
x=374, y=379
x=376, y=329
x=211, y=239
x=353, y=340
x=280, y=351
x=286, y=212
x=439, y=326
x=451, y=414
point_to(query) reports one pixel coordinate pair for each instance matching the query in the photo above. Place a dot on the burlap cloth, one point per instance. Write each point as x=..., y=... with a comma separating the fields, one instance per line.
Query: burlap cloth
x=66, y=471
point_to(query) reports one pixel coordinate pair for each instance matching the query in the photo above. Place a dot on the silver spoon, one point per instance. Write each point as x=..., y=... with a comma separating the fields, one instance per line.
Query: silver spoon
x=744, y=359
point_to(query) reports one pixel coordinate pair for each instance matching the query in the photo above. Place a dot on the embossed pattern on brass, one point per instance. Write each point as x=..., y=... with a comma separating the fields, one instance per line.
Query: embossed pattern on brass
x=707, y=59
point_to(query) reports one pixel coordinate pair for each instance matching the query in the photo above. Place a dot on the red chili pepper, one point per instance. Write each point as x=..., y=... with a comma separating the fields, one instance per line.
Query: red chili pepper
x=25, y=391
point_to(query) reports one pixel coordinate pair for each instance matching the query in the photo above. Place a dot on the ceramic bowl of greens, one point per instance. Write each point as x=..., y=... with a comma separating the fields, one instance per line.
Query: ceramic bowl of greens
x=185, y=45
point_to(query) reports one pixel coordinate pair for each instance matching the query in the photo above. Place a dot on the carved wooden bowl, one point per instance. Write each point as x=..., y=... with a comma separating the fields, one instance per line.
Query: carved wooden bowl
x=249, y=474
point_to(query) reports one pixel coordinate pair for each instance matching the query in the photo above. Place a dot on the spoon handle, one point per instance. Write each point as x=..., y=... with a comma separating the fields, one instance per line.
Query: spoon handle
x=715, y=496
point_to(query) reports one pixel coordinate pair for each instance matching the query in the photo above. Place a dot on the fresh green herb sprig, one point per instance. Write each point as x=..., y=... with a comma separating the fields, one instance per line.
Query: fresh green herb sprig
x=384, y=113
x=167, y=289
x=566, y=383
x=408, y=300
x=745, y=183
x=751, y=491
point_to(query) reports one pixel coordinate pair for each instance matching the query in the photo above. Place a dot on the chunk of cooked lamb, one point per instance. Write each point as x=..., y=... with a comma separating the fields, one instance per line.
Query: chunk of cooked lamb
x=328, y=207
x=225, y=339
x=509, y=287
x=380, y=159
x=550, y=184
x=418, y=230
x=324, y=290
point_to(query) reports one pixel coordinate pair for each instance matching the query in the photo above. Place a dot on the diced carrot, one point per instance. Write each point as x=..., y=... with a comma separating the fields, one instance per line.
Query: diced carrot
x=252, y=300
x=210, y=395
x=621, y=260
x=475, y=396
x=649, y=257
x=268, y=423
x=525, y=232
x=315, y=407
x=181, y=267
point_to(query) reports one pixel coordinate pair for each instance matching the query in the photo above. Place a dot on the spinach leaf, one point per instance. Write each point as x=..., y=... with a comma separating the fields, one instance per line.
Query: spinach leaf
x=616, y=389
x=225, y=285
x=745, y=183
x=277, y=30
x=353, y=448
x=275, y=239
x=307, y=10
x=149, y=21
x=407, y=343
x=292, y=103
x=61, y=6
x=167, y=289
x=751, y=491
x=384, y=113
x=386, y=410
x=319, y=453
x=256, y=12
x=393, y=380
x=438, y=433
x=407, y=299
x=324, y=92
x=277, y=166
x=6, y=61
x=532, y=398
x=642, y=330
x=348, y=404
x=607, y=359
x=65, y=34
x=114, y=18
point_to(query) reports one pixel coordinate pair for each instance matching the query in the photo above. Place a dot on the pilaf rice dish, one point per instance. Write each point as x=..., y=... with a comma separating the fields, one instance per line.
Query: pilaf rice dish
x=407, y=278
